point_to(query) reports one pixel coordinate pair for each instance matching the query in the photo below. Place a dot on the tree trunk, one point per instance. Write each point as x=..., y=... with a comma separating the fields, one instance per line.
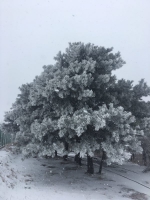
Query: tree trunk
x=55, y=153
x=144, y=158
x=90, y=167
x=147, y=164
x=132, y=157
x=101, y=162
x=77, y=159
x=65, y=157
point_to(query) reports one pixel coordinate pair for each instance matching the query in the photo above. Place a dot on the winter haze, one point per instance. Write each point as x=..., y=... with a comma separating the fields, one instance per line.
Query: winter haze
x=32, y=33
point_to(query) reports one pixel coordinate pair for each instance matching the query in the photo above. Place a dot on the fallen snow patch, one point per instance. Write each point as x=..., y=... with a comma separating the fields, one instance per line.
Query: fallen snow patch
x=37, y=179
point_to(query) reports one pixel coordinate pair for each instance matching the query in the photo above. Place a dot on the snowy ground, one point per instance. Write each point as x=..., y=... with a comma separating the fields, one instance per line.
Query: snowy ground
x=55, y=179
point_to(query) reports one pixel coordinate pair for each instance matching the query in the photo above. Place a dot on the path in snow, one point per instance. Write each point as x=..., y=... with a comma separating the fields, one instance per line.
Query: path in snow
x=38, y=179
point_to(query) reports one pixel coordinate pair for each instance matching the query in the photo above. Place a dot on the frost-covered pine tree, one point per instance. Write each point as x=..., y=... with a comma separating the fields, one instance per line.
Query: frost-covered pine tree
x=131, y=96
x=17, y=120
x=73, y=106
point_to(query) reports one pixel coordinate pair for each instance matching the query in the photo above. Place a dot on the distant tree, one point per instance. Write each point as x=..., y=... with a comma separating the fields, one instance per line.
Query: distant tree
x=17, y=121
x=145, y=125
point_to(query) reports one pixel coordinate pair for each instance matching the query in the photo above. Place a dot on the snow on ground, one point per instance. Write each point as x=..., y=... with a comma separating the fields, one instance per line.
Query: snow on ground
x=55, y=179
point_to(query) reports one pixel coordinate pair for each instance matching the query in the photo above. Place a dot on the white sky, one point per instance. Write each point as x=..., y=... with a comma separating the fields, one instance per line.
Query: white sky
x=33, y=31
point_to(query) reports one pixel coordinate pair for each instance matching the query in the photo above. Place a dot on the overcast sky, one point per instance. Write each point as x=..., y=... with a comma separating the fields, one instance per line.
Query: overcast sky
x=33, y=31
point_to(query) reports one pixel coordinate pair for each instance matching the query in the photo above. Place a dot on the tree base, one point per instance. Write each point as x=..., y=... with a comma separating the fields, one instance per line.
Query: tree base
x=90, y=167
